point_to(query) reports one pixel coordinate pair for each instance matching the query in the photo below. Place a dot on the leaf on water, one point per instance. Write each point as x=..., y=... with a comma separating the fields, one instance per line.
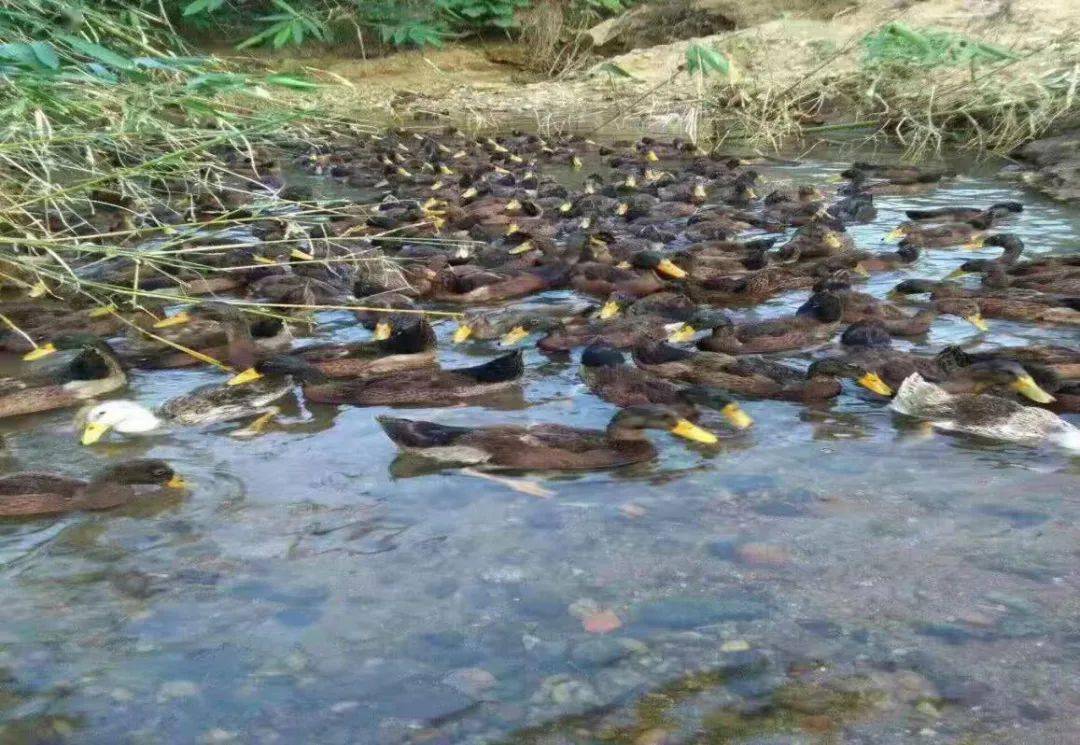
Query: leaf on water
x=601, y=622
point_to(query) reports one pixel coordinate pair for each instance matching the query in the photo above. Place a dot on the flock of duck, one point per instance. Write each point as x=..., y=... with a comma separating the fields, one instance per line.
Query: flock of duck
x=658, y=247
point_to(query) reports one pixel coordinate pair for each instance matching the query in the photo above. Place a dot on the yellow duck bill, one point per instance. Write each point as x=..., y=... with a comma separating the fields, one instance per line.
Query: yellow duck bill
x=1026, y=386
x=736, y=417
x=383, y=329
x=873, y=382
x=610, y=309
x=513, y=336
x=690, y=431
x=668, y=268
x=176, y=482
x=462, y=333
x=93, y=432
x=681, y=335
x=976, y=320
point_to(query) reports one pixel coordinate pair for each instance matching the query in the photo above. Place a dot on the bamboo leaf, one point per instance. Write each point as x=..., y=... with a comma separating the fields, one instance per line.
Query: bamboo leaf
x=102, y=54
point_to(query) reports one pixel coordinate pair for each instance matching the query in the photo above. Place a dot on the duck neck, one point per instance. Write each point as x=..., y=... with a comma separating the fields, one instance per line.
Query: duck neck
x=241, y=344
x=114, y=376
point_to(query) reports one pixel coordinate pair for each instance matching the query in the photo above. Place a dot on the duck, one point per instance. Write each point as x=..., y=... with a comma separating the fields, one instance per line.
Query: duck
x=961, y=213
x=548, y=447
x=1012, y=247
x=755, y=376
x=37, y=494
x=504, y=287
x=607, y=375
x=968, y=233
x=510, y=327
x=422, y=387
x=217, y=330
x=400, y=342
x=93, y=371
x=814, y=322
x=982, y=415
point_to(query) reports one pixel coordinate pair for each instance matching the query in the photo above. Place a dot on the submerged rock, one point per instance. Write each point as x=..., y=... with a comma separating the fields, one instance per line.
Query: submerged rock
x=1052, y=165
x=691, y=612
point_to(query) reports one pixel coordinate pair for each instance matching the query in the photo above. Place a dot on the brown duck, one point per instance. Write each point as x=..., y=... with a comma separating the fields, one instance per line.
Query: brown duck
x=32, y=494
x=545, y=446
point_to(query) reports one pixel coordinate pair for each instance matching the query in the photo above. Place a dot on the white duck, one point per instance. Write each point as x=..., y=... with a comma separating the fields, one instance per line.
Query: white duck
x=983, y=415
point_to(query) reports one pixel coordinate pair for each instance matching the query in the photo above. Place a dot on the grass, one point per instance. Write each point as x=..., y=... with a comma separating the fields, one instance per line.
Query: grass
x=929, y=90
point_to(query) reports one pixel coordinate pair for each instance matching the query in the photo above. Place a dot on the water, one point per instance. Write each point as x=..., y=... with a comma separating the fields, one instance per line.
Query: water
x=830, y=575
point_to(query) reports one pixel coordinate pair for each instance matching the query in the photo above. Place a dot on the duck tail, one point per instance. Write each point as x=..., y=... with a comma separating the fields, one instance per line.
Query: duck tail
x=1068, y=438
x=413, y=433
x=499, y=370
x=916, y=395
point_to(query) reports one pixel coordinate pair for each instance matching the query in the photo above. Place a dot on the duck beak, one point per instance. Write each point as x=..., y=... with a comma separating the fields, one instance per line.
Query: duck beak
x=462, y=333
x=176, y=482
x=667, y=268
x=40, y=353
x=623, y=265
x=609, y=310
x=383, y=329
x=699, y=191
x=247, y=376
x=895, y=234
x=871, y=381
x=751, y=194
x=651, y=157
x=101, y=310
x=445, y=171
x=512, y=228
x=178, y=320
x=690, y=431
x=1027, y=386
x=736, y=417
x=975, y=243
x=589, y=188
x=956, y=274
x=832, y=241
x=262, y=260
x=576, y=163
x=861, y=270
x=630, y=183
x=565, y=207
x=976, y=320
x=93, y=432
x=682, y=335
x=469, y=193
x=622, y=209
x=513, y=336
x=299, y=255
x=521, y=249
x=38, y=290
x=512, y=206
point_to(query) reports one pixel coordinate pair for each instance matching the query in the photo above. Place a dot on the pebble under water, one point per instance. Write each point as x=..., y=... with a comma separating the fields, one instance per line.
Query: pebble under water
x=830, y=575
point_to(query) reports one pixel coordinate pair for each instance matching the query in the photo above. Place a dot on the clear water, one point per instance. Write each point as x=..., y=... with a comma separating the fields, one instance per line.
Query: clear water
x=831, y=575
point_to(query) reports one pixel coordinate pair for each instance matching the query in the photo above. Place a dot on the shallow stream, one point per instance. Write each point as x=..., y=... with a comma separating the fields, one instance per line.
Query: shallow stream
x=831, y=575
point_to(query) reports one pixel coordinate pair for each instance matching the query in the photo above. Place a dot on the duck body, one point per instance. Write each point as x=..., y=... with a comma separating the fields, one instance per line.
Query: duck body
x=543, y=446
x=424, y=387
